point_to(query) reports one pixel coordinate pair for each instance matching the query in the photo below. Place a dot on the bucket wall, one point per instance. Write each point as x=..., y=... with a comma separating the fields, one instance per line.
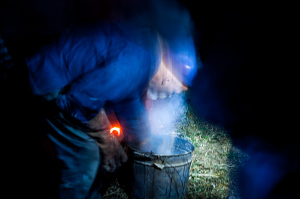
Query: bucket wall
x=159, y=176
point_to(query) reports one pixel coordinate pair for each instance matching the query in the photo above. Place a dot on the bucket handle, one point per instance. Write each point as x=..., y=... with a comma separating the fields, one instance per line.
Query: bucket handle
x=162, y=166
x=159, y=166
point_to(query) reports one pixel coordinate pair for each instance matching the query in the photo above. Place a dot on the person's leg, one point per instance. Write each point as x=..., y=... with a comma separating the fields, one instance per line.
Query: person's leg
x=78, y=156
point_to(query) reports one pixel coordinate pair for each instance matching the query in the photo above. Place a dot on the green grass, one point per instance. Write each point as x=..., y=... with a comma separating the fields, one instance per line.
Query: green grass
x=210, y=168
x=209, y=174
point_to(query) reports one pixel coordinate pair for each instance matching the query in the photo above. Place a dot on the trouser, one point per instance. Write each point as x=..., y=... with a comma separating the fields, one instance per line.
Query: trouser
x=77, y=155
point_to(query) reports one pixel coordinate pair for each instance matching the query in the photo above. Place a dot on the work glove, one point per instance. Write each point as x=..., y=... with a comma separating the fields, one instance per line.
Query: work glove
x=112, y=153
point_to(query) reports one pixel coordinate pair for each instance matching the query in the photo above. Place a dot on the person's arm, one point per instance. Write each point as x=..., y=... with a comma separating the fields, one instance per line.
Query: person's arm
x=77, y=52
x=47, y=72
x=124, y=75
x=134, y=122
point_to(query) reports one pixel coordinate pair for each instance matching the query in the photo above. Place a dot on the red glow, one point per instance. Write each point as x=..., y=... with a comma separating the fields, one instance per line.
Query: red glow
x=115, y=131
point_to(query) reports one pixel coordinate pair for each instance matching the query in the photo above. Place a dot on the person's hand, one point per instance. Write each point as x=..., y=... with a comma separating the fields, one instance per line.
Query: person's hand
x=112, y=153
x=99, y=122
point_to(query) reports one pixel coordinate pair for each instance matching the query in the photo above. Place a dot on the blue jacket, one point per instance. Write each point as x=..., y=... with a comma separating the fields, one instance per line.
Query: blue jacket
x=98, y=64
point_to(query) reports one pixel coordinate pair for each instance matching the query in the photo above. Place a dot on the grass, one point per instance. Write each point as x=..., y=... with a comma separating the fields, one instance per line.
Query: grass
x=209, y=174
x=214, y=164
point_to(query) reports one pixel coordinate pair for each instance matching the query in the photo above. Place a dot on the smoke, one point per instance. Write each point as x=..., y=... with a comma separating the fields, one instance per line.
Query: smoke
x=165, y=112
x=163, y=116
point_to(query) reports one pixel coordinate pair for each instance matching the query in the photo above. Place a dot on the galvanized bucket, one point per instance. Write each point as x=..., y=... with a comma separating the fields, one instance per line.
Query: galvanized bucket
x=160, y=176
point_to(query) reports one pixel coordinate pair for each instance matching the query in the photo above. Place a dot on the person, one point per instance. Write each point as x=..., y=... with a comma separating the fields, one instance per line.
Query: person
x=98, y=66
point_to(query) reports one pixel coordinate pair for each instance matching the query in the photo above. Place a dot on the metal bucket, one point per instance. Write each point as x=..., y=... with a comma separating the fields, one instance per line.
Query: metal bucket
x=159, y=174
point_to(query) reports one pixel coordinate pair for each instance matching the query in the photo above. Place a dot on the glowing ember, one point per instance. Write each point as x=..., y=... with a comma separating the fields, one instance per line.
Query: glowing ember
x=115, y=131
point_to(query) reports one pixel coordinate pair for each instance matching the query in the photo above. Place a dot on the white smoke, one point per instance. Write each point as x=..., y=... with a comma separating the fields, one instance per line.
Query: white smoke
x=163, y=117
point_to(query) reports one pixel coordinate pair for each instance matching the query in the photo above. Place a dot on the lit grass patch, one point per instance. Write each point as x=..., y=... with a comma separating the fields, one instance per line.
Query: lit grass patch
x=115, y=191
x=209, y=174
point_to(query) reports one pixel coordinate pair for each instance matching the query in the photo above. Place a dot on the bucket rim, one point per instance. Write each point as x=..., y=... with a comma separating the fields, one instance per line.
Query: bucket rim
x=149, y=154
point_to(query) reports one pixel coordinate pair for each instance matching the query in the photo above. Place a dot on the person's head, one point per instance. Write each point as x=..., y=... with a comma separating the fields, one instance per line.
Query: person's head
x=176, y=70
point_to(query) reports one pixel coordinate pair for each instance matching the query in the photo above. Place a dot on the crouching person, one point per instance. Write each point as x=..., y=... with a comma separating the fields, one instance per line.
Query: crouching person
x=99, y=66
